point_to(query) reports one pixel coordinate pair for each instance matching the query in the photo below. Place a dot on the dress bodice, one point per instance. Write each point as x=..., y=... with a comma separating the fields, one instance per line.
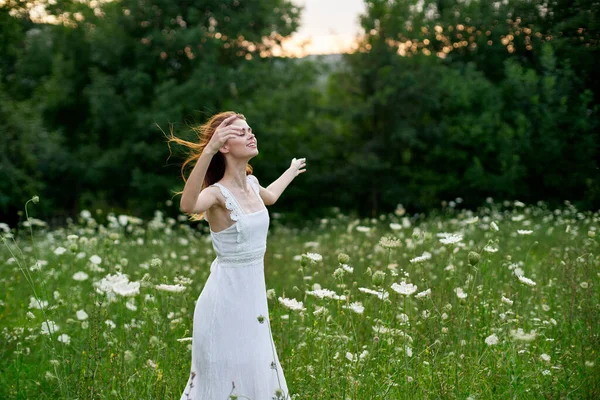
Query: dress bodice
x=247, y=237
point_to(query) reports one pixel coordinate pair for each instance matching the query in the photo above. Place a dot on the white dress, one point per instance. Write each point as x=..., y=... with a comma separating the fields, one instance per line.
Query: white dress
x=233, y=353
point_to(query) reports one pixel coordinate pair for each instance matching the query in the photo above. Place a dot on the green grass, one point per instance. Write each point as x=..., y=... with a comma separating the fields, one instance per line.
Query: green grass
x=402, y=347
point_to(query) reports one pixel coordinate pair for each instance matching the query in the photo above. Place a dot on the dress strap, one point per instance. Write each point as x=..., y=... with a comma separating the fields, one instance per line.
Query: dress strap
x=254, y=183
x=230, y=203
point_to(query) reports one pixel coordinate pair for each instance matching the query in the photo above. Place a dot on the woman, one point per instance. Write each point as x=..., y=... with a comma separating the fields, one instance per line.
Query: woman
x=233, y=353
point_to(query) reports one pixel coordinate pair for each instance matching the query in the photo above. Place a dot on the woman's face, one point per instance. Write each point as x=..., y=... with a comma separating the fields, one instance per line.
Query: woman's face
x=245, y=143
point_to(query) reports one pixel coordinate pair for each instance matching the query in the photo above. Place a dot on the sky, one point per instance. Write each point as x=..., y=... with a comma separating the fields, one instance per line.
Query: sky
x=330, y=25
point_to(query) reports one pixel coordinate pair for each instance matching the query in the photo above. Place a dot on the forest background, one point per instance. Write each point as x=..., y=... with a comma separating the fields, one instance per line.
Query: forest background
x=441, y=100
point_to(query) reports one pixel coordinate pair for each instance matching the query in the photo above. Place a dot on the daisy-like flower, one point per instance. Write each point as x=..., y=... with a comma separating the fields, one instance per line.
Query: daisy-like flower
x=526, y=281
x=64, y=338
x=394, y=226
x=491, y=340
x=381, y=294
x=356, y=306
x=60, y=250
x=507, y=301
x=292, y=304
x=82, y=315
x=322, y=293
x=389, y=242
x=35, y=303
x=460, y=293
x=347, y=268
x=524, y=232
x=404, y=288
x=118, y=284
x=490, y=249
x=522, y=336
x=170, y=288
x=423, y=294
x=364, y=229
x=494, y=226
x=49, y=327
x=95, y=259
x=313, y=257
x=424, y=257
x=80, y=276
x=472, y=220
x=451, y=239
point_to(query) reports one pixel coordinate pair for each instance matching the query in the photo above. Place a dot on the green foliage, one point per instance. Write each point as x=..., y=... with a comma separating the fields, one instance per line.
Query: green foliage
x=443, y=99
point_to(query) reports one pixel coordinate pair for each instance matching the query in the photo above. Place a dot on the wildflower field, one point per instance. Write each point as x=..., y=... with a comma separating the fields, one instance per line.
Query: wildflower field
x=502, y=302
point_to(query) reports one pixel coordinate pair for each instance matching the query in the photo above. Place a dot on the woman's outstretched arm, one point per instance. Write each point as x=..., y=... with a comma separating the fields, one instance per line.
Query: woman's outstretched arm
x=271, y=193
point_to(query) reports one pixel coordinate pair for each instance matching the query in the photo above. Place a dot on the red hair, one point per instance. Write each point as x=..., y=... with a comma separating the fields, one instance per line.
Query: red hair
x=216, y=168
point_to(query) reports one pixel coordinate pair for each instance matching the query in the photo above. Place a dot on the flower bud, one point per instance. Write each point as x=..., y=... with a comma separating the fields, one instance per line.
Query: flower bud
x=473, y=258
x=343, y=258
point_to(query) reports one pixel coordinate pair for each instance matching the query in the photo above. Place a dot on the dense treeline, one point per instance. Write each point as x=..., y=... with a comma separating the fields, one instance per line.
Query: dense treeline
x=443, y=99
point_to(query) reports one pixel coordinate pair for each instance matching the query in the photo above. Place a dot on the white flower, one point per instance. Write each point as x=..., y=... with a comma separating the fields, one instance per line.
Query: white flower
x=491, y=340
x=425, y=256
x=314, y=257
x=522, y=336
x=395, y=226
x=64, y=338
x=34, y=303
x=389, y=242
x=494, y=226
x=347, y=268
x=123, y=219
x=404, y=288
x=460, y=293
x=423, y=294
x=80, y=276
x=381, y=294
x=545, y=357
x=170, y=288
x=110, y=324
x=490, y=249
x=95, y=259
x=292, y=304
x=49, y=327
x=524, y=232
x=320, y=310
x=126, y=289
x=81, y=315
x=131, y=304
x=118, y=284
x=322, y=293
x=357, y=307
x=507, y=301
x=349, y=356
x=364, y=229
x=451, y=239
x=526, y=281
x=60, y=250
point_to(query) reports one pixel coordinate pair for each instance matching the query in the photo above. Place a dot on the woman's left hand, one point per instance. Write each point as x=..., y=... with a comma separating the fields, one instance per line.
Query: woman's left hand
x=297, y=164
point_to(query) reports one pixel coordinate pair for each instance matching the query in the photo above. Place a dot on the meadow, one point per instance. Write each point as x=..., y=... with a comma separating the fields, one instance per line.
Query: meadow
x=501, y=302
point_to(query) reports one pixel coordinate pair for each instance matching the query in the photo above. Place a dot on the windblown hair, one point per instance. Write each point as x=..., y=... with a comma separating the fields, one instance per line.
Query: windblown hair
x=216, y=168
